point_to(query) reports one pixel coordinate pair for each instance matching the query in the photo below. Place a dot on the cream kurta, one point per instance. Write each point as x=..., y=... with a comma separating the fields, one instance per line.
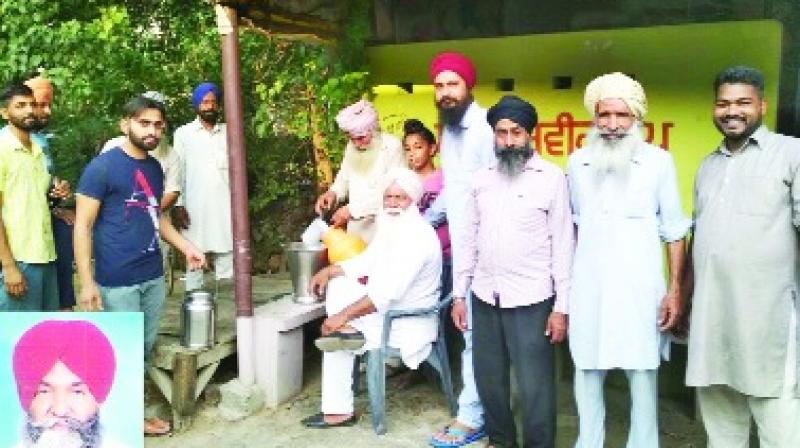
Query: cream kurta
x=400, y=277
x=745, y=256
x=360, y=180
x=618, y=275
x=206, y=193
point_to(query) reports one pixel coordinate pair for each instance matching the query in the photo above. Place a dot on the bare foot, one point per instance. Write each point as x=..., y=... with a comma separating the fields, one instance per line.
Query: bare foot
x=154, y=426
x=333, y=419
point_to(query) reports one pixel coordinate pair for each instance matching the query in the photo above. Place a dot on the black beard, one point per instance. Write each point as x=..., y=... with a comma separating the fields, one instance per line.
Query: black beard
x=511, y=161
x=20, y=124
x=749, y=129
x=89, y=431
x=452, y=116
x=40, y=124
x=209, y=116
x=139, y=143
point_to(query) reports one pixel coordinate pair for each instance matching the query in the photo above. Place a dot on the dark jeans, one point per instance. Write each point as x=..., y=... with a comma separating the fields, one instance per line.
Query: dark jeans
x=447, y=277
x=506, y=338
x=62, y=234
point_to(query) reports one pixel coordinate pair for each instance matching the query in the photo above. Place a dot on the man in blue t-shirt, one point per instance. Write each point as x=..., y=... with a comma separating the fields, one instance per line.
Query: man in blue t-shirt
x=118, y=215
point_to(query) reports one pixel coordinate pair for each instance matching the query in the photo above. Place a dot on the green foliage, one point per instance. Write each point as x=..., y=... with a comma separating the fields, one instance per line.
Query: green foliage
x=100, y=53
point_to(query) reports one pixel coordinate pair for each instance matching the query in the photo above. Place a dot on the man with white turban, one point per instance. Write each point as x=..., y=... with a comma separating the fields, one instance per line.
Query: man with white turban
x=399, y=270
x=368, y=156
x=625, y=205
x=64, y=372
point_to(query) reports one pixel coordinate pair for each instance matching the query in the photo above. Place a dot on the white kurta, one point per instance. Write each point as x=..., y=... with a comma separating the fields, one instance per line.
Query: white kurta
x=206, y=190
x=360, y=180
x=618, y=275
x=403, y=276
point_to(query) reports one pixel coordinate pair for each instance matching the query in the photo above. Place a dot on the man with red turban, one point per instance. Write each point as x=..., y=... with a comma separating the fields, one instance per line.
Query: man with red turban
x=64, y=371
x=369, y=155
x=467, y=145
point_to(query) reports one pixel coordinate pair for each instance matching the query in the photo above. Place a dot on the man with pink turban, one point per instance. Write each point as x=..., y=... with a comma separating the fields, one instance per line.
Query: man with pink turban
x=466, y=145
x=64, y=372
x=368, y=156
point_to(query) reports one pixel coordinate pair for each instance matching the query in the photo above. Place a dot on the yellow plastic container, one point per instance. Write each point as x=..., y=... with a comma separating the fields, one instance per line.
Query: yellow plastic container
x=342, y=245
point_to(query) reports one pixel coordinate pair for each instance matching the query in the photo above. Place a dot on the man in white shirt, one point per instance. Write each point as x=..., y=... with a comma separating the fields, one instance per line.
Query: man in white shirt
x=206, y=210
x=369, y=155
x=626, y=207
x=400, y=270
x=466, y=145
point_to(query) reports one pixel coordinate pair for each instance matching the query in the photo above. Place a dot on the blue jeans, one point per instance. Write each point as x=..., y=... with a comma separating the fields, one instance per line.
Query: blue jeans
x=147, y=297
x=41, y=293
x=470, y=410
x=62, y=234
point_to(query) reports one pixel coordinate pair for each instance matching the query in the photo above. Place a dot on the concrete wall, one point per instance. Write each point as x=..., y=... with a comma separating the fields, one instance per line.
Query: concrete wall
x=675, y=64
x=402, y=21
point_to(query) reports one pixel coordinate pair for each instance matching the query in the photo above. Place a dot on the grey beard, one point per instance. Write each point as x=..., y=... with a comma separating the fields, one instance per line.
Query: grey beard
x=511, y=161
x=90, y=431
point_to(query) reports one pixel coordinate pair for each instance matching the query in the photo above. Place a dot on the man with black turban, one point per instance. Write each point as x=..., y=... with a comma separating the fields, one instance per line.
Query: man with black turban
x=517, y=256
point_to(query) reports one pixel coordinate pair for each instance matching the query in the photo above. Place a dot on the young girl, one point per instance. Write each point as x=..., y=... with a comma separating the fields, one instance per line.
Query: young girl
x=419, y=146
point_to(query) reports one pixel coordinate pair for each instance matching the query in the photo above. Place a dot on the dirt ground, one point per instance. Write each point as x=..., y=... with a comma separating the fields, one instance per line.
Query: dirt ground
x=412, y=415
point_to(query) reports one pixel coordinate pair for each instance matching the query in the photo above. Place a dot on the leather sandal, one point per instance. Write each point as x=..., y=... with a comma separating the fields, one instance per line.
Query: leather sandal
x=317, y=421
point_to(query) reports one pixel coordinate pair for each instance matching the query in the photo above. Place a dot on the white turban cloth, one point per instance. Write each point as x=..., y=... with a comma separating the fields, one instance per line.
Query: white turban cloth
x=358, y=119
x=407, y=180
x=616, y=86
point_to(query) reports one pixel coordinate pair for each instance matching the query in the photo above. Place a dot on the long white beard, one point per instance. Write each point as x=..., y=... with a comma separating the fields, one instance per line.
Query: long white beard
x=612, y=157
x=363, y=160
x=393, y=231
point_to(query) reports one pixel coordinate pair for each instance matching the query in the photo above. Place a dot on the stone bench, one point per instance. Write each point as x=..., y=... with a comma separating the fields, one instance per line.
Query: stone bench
x=278, y=346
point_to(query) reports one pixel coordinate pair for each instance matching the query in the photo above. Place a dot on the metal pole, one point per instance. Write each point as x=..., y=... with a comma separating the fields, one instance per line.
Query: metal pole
x=242, y=260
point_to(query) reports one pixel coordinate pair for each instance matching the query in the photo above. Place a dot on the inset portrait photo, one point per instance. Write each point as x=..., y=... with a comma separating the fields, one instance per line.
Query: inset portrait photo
x=71, y=380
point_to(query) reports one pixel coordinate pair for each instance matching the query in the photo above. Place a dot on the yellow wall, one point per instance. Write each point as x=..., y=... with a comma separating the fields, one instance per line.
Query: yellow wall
x=675, y=64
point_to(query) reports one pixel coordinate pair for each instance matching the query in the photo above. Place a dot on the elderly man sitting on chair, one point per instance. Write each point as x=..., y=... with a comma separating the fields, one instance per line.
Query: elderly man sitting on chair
x=399, y=270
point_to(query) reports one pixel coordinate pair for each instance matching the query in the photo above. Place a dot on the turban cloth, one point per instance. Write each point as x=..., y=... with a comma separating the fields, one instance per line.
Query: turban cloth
x=157, y=96
x=202, y=90
x=616, y=86
x=78, y=344
x=358, y=119
x=515, y=109
x=407, y=180
x=454, y=62
x=39, y=83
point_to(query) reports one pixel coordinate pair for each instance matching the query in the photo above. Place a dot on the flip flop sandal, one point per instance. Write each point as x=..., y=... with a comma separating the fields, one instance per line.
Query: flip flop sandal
x=462, y=437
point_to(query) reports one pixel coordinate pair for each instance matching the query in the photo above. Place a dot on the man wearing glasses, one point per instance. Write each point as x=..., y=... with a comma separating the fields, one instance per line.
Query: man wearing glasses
x=118, y=213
